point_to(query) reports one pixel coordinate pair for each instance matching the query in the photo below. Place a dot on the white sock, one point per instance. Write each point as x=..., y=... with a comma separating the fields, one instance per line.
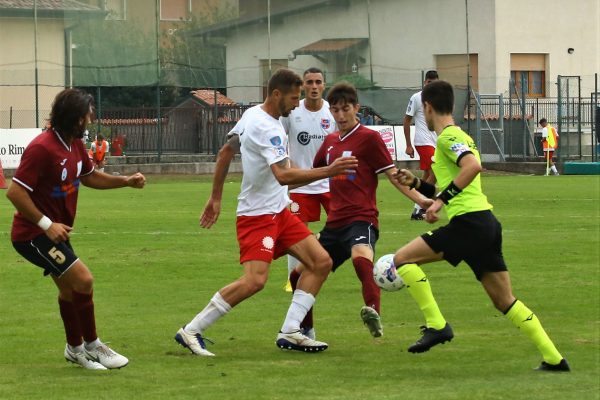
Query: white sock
x=554, y=170
x=93, y=345
x=417, y=207
x=215, y=309
x=76, y=349
x=301, y=303
x=292, y=263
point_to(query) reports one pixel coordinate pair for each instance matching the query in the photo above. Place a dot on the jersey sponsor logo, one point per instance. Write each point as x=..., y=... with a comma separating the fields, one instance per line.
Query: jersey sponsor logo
x=350, y=177
x=64, y=190
x=275, y=141
x=304, y=138
x=459, y=148
x=325, y=123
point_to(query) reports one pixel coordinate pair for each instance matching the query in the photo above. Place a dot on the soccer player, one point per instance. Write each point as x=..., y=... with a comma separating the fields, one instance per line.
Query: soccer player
x=306, y=126
x=352, y=226
x=424, y=139
x=266, y=229
x=549, y=144
x=473, y=234
x=44, y=192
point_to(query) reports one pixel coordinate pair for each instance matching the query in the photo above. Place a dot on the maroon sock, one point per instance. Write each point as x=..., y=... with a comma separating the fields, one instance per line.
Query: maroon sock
x=370, y=291
x=307, y=322
x=84, y=305
x=70, y=321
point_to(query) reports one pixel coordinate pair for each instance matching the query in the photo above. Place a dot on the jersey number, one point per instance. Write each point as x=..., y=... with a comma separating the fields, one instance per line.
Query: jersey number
x=57, y=255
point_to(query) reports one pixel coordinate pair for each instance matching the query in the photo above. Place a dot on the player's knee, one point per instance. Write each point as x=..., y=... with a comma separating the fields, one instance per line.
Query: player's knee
x=323, y=265
x=255, y=284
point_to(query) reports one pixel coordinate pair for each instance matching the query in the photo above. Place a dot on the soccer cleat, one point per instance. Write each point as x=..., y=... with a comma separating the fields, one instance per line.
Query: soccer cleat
x=417, y=215
x=298, y=341
x=81, y=359
x=309, y=332
x=106, y=356
x=288, y=286
x=193, y=341
x=372, y=320
x=562, y=366
x=431, y=337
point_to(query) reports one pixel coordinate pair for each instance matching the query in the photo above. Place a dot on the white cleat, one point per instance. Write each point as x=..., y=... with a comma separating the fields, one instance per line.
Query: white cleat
x=106, y=356
x=193, y=341
x=300, y=342
x=81, y=359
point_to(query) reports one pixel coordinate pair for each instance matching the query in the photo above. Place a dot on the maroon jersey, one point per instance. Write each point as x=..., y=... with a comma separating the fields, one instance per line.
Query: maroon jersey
x=353, y=195
x=50, y=171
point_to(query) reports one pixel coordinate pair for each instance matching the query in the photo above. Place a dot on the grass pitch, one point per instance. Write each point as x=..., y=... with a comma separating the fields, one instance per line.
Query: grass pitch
x=155, y=269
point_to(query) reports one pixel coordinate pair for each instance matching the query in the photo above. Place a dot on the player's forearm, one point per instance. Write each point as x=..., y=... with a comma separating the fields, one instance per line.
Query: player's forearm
x=224, y=159
x=406, y=129
x=100, y=180
x=296, y=177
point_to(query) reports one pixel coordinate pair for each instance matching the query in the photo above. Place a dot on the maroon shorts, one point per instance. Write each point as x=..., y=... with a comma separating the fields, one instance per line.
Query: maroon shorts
x=307, y=207
x=267, y=237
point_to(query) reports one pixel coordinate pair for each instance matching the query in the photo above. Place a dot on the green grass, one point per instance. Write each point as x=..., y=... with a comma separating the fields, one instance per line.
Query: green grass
x=155, y=269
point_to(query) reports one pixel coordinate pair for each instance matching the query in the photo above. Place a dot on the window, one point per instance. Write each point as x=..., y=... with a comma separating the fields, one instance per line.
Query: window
x=117, y=9
x=175, y=10
x=532, y=80
x=528, y=71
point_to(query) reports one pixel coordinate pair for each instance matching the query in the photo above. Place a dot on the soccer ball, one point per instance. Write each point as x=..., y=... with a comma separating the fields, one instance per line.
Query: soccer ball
x=386, y=277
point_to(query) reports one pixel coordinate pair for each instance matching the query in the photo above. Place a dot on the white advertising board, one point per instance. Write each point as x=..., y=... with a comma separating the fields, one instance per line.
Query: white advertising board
x=13, y=143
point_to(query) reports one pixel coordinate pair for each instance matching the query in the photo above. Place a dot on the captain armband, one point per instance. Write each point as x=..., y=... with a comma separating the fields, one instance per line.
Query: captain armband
x=447, y=194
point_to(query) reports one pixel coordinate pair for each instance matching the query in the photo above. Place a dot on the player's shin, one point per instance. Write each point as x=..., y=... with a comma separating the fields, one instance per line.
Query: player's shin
x=419, y=288
x=524, y=319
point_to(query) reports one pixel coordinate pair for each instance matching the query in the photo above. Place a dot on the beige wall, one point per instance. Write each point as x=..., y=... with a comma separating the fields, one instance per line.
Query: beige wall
x=17, y=68
x=550, y=27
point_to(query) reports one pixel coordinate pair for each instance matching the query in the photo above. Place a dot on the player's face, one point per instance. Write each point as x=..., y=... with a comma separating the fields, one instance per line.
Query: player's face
x=344, y=115
x=428, y=112
x=428, y=81
x=313, y=86
x=289, y=101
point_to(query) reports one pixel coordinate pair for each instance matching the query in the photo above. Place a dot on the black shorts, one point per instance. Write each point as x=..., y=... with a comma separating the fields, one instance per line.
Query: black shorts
x=53, y=258
x=339, y=242
x=474, y=237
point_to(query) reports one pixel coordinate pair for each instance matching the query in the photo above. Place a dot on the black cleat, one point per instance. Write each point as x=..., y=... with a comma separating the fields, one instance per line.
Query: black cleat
x=431, y=337
x=417, y=215
x=562, y=366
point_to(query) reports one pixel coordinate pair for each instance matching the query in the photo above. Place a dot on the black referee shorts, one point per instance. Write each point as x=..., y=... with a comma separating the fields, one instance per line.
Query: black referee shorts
x=475, y=238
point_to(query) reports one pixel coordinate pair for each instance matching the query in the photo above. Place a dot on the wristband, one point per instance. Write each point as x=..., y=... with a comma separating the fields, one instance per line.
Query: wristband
x=426, y=189
x=447, y=194
x=44, y=223
x=414, y=183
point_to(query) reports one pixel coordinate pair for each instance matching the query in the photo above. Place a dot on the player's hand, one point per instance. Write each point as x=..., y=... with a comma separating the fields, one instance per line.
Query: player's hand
x=425, y=203
x=410, y=151
x=136, y=180
x=211, y=212
x=343, y=165
x=59, y=232
x=431, y=215
x=405, y=177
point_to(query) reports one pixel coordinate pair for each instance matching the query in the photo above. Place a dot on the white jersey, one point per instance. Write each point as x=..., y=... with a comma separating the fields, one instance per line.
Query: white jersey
x=423, y=136
x=263, y=142
x=306, y=132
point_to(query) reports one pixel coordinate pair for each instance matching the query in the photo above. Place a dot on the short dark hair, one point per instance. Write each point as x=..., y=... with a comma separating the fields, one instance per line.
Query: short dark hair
x=440, y=96
x=342, y=92
x=313, y=70
x=283, y=80
x=543, y=120
x=68, y=108
x=431, y=75
x=100, y=137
